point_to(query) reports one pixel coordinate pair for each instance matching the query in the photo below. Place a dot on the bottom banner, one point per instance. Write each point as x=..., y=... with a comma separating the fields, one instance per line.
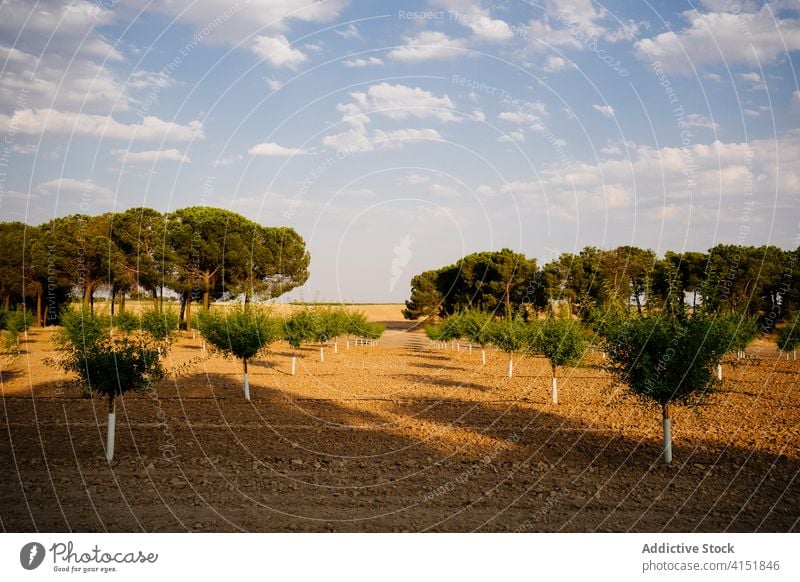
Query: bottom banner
x=372, y=557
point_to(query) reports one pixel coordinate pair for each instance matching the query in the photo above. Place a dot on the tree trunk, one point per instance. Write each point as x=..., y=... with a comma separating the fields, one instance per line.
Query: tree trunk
x=483, y=356
x=554, y=387
x=112, y=426
x=155, y=298
x=189, y=312
x=294, y=365
x=335, y=347
x=510, y=366
x=719, y=371
x=246, y=381
x=667, y=433
x=87, y=295
x=321, y=353
x=113, y=300
x=122, y=302
x=39, y=315
x=182, y=315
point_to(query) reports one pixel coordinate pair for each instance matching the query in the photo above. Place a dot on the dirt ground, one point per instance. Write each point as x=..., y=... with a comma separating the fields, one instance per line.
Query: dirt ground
x=398, y=437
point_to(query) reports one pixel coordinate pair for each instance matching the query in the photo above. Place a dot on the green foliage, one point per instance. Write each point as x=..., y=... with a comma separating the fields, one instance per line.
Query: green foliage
x=79, y=327
x=16, y=323
x=560, y=341
x=667, y=358
x=359, y=326
x=476, y=326
x=299, y=328
x=448, y=330
x=3, y=319
x=239, y=332
x=105, y=365
x=510, y=336
x=789, y=337
x=126, y=322
x=501, y=281
x=161, y=325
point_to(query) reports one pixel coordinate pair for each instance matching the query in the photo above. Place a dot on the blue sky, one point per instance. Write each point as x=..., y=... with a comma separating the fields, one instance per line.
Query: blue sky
x=399, y=136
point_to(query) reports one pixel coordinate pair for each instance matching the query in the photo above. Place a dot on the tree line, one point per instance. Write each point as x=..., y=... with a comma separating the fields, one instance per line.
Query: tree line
x=762, y=281
x=199, y=253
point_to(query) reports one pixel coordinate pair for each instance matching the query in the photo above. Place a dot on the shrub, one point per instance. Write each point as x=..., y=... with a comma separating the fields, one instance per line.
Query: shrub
x=126, y=322
x=789, y=337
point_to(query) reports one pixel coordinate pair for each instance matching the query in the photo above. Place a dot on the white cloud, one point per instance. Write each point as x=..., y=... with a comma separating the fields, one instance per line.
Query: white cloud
x=351, y=32
x=397, y=138
x=415, y=179
x=513, y=136
x=226, y=161
x=428, y=45
x=278, y=51
x=723, y=37
x=358, y=63
x=697, y=120
x=649, y=180
x=605, y=110
x=24, y=149
x=478, y=115
x=470, y=14
x=272, y=149
x=244, y=19
x=397, y=102
x=444, y=191
x=151, y=156
x=712, y=77
x=273, y=84
x=67, y=124
x=71, y=186
x=555, y=64
x=796, y=98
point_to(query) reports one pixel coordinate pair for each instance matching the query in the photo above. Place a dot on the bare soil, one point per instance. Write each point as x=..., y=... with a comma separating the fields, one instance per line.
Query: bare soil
x=398, y=437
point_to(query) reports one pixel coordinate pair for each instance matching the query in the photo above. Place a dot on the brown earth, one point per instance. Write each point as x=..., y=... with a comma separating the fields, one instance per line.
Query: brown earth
x=398, y=437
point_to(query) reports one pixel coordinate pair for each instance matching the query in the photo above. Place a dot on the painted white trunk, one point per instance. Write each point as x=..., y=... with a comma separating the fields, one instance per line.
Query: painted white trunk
x=347, y=345
x=458, y=347
x=510, y=367
x=794, y=354
x=555, y=390
x=470, y=348
x=246, y=387
x=483, y=357
x=204, y=345
x=294, y=365
x=667, y=441
x=719, y=371
x=112, y=427
x=322, y=354
x=335, y=347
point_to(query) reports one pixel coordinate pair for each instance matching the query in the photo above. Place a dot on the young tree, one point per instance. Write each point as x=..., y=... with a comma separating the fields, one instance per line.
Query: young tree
x=511, y=337
x=358, y=325
x=476, y=326
x=240, y=333
x=789, y=338
x=448, y=330
x=298, y=328
x=561, y=342
x=105, y=365
x=668, y=359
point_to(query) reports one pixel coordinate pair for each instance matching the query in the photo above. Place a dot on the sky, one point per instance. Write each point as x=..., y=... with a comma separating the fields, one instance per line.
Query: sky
x=397, y=137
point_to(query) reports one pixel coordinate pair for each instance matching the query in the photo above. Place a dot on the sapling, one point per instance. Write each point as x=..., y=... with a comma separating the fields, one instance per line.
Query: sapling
x=241, y=333
x=510, y=337
x=789, y=338
x=668, y=359
x=561, y=342
x=476, y=326
x=298, y=328
x=106, y=365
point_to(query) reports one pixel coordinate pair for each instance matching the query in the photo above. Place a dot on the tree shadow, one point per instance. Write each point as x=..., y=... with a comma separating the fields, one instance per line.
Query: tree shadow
x=438, y=381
